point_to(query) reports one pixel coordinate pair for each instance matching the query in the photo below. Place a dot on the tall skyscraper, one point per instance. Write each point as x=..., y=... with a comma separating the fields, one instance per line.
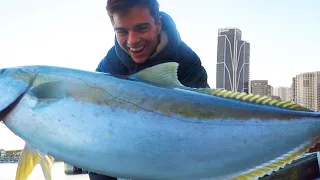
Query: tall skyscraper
x=233, y=61
x=307, y=90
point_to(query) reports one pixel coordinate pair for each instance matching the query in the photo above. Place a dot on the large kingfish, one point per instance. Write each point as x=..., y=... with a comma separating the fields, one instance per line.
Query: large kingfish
x=148, y=125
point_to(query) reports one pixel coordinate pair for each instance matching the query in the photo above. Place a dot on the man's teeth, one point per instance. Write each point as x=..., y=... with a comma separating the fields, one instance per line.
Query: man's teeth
x=136, y=49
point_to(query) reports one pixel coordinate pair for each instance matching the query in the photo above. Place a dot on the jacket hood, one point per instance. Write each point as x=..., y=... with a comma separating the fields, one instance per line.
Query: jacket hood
x=169, y=33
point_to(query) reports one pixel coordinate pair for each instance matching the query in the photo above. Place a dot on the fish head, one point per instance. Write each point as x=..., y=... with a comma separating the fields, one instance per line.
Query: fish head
x=14, y=83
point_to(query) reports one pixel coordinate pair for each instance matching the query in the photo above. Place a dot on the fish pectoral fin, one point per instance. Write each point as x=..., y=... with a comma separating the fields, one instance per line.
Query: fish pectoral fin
x=276, y=164
x=28, y=159
x=50, y=90
x=165, y=74
x=46, y=163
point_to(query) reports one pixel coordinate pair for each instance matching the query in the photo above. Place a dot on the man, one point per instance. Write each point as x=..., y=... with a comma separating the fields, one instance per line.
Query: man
x=146, y=37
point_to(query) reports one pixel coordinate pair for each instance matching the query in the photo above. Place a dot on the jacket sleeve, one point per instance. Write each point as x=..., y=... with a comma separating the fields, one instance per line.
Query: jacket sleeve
x=191, y=72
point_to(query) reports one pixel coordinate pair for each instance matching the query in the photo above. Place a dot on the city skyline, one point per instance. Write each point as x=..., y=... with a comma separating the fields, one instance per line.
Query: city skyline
x=304, y=90
x=233, y=54
x=228, y=62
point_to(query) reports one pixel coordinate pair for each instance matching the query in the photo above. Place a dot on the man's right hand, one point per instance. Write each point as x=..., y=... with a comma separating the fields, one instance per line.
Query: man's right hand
x=315, y=148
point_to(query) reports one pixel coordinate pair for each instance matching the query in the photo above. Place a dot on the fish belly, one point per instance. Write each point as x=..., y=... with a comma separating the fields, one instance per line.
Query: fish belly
x=150, y=145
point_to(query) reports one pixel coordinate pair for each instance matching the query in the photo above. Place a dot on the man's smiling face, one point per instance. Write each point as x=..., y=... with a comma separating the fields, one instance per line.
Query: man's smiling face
x=137, y=32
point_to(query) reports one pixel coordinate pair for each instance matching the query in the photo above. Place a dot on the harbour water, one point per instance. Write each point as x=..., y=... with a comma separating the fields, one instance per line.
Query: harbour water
x=8, y=171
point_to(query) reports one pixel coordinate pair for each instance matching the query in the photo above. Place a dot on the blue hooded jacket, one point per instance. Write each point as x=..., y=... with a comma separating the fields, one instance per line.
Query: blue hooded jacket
x=190, y=71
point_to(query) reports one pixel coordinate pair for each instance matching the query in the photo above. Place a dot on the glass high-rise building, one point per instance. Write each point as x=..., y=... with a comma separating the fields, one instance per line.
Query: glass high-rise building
x=233, y=61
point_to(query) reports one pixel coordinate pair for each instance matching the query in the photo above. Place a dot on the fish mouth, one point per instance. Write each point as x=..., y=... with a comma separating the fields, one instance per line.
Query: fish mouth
x=14, y=84
x=2, y=71
x=4, y=112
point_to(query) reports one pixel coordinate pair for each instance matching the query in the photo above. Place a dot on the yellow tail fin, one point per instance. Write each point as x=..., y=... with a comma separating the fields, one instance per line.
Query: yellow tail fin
x=46, y=164
x=29, y=158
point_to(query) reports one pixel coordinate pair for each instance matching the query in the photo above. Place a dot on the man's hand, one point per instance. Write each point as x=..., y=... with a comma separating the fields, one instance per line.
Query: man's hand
x=315, y=148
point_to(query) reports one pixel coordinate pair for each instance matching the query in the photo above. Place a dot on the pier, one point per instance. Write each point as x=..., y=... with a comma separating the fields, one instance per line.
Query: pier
x=11, y=156
x=13, y=159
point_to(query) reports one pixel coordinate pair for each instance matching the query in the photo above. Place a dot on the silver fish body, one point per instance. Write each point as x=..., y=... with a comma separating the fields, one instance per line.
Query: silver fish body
x=130, y=128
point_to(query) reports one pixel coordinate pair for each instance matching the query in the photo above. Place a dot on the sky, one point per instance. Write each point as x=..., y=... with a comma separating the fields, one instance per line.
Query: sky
x=284, y=36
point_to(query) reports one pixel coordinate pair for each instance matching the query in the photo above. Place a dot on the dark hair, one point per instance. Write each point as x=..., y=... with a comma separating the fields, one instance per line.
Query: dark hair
x=122, y=6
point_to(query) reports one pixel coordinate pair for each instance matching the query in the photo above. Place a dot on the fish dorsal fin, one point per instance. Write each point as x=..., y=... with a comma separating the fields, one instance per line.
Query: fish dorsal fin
x=276, y=164
x=252, y=98
x=164, y=74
